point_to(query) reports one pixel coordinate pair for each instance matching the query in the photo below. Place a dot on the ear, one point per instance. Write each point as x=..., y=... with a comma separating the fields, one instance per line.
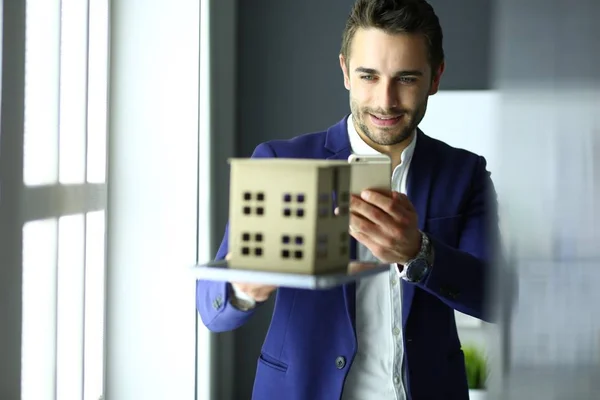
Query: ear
x=435, y=83
x=344, y=67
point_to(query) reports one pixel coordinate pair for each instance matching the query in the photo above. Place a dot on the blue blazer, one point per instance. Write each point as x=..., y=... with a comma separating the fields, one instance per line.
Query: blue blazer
x=311, y=342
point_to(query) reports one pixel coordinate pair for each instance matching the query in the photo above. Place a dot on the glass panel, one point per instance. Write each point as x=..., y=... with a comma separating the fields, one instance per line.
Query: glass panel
x=39, y=310
x=71, y=246
x=73, y=91
x=97, y=91
x=550, y=344
x=94, y=306
x=42, y=44
x=203, y=348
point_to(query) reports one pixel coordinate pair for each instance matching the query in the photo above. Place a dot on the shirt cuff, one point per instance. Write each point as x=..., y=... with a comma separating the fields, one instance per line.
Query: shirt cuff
x=401, y=271
x=241, y=300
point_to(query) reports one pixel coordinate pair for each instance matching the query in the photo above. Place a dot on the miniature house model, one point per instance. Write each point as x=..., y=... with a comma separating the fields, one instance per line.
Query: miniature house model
x=281, y=215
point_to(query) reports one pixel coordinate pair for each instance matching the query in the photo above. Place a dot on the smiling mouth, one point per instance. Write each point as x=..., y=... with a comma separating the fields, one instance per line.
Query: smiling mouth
x=385, y=120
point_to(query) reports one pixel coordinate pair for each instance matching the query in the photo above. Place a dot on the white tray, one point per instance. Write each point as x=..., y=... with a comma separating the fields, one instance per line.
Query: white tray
x=220, y=271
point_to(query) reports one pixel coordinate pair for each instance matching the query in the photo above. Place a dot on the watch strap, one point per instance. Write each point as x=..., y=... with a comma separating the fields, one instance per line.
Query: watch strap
x=426, y=250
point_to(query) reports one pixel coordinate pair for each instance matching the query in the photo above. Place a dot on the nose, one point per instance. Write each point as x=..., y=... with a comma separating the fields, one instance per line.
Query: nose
x=389, y=96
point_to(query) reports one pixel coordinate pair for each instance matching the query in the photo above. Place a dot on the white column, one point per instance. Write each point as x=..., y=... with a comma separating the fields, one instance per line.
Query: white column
x=153, y=200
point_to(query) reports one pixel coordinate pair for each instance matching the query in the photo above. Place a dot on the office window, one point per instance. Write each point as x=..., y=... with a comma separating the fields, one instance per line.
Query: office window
x=94, y=283
x=97, y=84
x=40, y=244
x=73, y=91
x=42, y=72
x=64, y=178
x=69, y=306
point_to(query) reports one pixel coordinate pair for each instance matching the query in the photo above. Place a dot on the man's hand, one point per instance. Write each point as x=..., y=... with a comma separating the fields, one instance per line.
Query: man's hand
x=387, y=224
x=257, y=291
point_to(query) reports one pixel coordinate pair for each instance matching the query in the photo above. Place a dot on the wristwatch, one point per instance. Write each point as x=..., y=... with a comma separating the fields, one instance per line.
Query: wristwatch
x=418, y=268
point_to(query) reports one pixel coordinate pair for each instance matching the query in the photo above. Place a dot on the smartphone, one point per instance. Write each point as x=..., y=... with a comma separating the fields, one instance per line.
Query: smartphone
x=372, y=171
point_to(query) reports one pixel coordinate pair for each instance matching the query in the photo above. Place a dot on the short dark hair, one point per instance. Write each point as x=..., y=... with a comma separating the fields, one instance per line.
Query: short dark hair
x=396, y=16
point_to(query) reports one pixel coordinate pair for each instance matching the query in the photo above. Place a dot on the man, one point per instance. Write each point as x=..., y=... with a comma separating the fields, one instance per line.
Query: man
x=392, y=336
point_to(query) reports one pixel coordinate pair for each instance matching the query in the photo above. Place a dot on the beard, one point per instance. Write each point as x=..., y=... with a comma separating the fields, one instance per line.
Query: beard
x=387, y=136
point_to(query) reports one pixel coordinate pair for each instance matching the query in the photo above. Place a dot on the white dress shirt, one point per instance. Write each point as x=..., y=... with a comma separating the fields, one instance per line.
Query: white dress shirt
x=377, y=370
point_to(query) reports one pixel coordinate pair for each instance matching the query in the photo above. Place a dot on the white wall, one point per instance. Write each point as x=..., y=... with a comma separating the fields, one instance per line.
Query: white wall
x=152, y=224
x=465, y=119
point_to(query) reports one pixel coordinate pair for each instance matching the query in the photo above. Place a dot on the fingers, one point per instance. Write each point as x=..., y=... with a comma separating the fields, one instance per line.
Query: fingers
x=370, y=203
x=372, y=236
x=390, y=213
x=261, y=293
x=404, y=201
x=367, y=213
x=357, y=267
x=379, y=245
x=390, y=202
x=258, y=292
x=360, y=224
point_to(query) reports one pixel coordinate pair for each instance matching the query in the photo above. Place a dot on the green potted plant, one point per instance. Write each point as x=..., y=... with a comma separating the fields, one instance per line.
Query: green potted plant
x=477, y=371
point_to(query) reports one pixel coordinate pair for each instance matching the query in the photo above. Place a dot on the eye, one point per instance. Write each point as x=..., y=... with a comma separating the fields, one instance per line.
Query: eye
x=407, y=79
x=367, y=77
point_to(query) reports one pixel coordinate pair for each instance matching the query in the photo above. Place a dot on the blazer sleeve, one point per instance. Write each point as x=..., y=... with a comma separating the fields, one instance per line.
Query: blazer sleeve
x=460, y=276
x=212, y=297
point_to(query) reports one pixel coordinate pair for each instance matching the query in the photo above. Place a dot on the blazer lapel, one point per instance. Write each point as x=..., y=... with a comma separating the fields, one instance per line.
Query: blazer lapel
x=418, y=186
x=338, y=145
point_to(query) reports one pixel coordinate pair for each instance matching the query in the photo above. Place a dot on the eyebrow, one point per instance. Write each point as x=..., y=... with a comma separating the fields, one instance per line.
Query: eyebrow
x=372, y=71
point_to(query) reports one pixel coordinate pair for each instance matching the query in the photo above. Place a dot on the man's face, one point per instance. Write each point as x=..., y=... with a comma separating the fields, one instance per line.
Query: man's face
x=389, y=79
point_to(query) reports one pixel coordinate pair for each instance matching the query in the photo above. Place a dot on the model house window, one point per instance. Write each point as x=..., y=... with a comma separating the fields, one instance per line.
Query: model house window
x=254, y=203
x=294, y=205
x=292, y=246
x=252, y=244
x=322, y=244
x=344, y=243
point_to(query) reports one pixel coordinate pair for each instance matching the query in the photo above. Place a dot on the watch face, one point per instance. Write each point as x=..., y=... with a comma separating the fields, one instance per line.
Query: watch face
x=417, y=270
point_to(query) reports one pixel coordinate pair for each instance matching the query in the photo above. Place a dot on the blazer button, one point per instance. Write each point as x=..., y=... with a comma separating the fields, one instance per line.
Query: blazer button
x=217, y=303
x=340, y=362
